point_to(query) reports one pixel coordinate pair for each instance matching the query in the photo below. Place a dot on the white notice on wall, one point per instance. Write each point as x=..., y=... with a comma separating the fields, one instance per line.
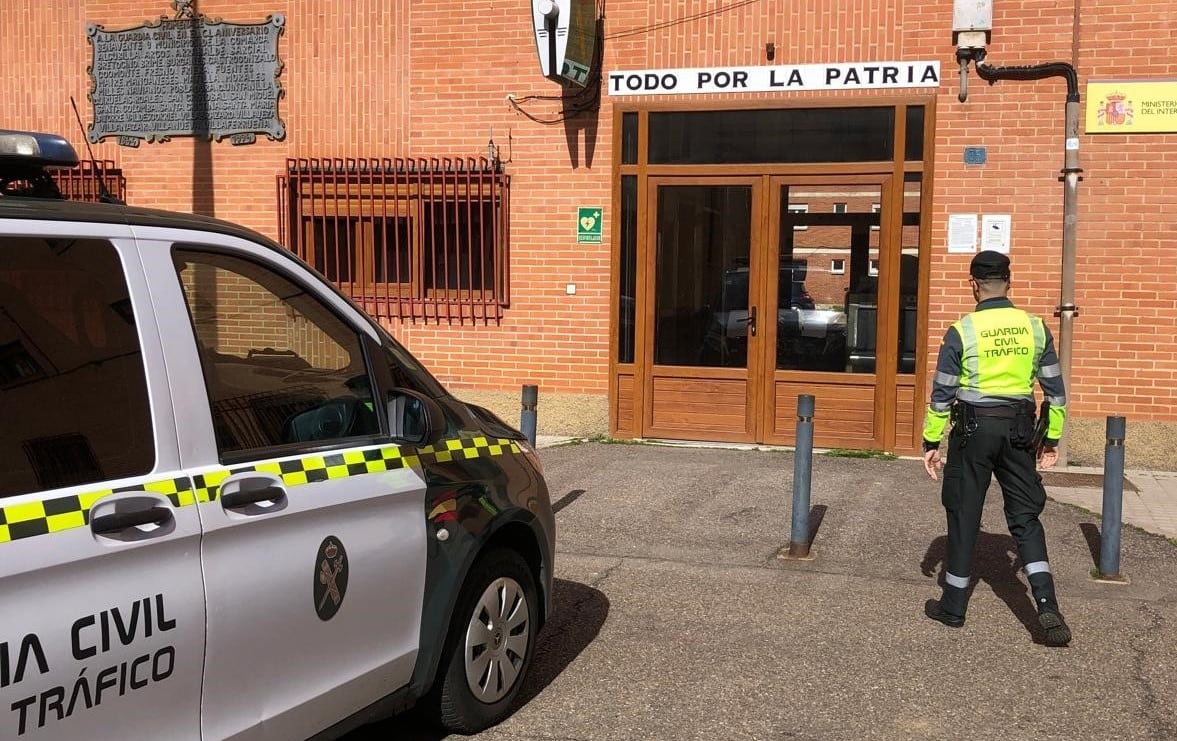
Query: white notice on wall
x=962, y=232
x=995, y=229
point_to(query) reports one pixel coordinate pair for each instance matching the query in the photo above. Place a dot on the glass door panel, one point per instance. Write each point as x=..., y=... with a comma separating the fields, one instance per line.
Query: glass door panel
x=909, y=274
x=830, y=256
x=703, y=317
x=828, y=277
x=701, y=309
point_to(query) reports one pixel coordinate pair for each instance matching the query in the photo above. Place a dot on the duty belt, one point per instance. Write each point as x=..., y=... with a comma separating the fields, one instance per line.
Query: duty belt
x=1022, y=434
x=1006, y=412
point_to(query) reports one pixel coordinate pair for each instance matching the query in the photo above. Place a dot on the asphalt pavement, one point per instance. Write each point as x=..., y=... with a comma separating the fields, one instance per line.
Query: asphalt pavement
x=675, y=617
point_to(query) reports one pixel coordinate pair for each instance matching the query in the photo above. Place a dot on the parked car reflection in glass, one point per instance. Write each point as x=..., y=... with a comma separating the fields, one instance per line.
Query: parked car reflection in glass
x=808, y=337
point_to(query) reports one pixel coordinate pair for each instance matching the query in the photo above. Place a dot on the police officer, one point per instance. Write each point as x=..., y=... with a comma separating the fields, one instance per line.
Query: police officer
x=985, y=382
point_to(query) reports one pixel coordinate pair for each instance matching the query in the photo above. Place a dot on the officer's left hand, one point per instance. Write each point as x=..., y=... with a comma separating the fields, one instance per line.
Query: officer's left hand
x=1047, y=456
x=932, y=464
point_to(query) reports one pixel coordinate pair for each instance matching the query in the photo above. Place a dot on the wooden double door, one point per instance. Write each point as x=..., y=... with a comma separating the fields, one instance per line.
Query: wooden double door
x=763, y=288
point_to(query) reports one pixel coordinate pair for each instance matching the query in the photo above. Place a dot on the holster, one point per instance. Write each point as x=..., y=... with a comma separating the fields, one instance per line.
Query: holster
x=963, y=416
x=1023, y=432
x=1043, y=425
x=964, y=420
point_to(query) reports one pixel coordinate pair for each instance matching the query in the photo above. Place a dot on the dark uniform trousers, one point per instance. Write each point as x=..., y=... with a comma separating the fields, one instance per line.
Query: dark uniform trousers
x=976, y=453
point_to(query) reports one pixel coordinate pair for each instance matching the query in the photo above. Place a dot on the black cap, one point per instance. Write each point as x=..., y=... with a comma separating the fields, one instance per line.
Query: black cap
x=989, y=264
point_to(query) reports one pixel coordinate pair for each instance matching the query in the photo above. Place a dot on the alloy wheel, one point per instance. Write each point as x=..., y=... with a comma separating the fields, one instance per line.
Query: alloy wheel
x=497, y=639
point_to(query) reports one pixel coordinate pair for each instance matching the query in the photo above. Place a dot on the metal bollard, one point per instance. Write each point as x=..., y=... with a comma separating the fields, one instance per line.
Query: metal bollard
x=527, y=417
x=1113, y=499
x=802, y=477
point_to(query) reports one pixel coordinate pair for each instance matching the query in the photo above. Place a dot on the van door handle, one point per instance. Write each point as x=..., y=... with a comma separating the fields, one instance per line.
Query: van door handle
x=242, y=497
x=241, y=493
x=116, y=522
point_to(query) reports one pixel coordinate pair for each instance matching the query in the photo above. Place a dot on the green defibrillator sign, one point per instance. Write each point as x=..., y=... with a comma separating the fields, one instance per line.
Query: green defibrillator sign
x=588, y=225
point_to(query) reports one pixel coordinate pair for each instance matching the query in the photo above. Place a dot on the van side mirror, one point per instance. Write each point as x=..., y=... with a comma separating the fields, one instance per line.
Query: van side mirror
x=415, y=418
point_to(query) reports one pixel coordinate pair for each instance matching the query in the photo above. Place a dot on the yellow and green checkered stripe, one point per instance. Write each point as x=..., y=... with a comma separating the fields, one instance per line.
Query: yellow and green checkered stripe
x=313, y=468
x=19, y=521
x=456, y=449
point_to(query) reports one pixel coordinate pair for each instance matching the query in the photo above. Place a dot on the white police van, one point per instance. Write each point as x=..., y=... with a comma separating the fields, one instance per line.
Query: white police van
x=231, y=505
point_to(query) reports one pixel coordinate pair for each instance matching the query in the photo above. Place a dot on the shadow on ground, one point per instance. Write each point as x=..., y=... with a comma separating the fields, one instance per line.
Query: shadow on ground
x=1093, y=538
x=995, y=563
x=578, y=612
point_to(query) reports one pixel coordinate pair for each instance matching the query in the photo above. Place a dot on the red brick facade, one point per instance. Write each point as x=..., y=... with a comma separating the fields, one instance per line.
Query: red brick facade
x=428, y=78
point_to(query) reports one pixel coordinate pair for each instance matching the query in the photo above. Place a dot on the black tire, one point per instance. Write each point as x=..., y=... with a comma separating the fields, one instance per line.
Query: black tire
x=456, y=704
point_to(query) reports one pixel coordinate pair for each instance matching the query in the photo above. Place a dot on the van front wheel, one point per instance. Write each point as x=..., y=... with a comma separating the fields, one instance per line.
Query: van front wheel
x=491, y=643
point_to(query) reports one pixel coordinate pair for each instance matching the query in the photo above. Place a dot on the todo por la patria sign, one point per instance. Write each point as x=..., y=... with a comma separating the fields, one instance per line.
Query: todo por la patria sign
x=777, y=77
x=191, y=76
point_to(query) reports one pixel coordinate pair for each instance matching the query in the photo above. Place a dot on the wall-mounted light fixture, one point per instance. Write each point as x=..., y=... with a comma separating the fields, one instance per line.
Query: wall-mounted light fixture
x=550, y=20
x=566, y=37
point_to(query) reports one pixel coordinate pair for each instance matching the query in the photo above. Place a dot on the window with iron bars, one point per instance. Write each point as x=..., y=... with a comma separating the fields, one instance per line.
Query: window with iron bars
x=408, y=239
x=81, y=183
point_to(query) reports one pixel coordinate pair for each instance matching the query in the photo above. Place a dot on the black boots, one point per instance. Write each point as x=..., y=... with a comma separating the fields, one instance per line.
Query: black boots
x=950, y=609
x=1057, y=632
x=1042, y=587
x=933, y=609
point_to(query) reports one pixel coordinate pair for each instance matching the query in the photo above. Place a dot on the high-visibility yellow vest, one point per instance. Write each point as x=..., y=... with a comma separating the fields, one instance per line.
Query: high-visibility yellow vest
x=1002, y=351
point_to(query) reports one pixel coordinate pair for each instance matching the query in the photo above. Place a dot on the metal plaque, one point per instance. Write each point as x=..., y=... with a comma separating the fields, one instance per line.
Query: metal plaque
x=194, y=76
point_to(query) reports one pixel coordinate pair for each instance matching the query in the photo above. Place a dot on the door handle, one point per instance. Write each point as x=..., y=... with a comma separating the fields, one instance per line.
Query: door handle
x=243, y=497
x=750, y=320
x=116, y=522
x=244, y=492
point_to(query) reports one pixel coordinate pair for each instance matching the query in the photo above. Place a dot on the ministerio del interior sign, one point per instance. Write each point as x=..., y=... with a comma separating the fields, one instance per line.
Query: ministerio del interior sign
x=775, y=77
x=1131, y=107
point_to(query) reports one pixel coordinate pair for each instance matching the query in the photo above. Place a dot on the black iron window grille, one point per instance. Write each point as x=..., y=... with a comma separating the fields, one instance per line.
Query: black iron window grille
x=407, y=239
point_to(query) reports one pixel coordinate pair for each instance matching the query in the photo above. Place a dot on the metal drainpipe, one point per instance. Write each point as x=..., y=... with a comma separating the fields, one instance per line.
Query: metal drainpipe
x=1066, y=310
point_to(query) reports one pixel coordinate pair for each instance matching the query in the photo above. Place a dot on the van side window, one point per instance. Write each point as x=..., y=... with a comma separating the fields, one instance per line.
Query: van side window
x=408, y=373
x=72, y=384
x=281, y=369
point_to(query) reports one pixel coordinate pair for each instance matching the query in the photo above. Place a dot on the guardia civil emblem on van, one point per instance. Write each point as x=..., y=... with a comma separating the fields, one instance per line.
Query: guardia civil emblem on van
x=330, y=577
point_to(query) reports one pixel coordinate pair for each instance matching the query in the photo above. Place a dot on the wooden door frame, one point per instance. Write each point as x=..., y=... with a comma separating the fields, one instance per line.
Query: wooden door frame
x=644, y=355
x=883, y=379
x=641, y=170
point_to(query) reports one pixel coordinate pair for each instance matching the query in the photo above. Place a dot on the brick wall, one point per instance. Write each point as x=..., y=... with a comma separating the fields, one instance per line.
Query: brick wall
x=1123, y=363
x=427, y=78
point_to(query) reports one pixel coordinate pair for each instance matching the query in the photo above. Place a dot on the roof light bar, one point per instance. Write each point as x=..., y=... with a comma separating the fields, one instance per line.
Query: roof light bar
x=33, y=149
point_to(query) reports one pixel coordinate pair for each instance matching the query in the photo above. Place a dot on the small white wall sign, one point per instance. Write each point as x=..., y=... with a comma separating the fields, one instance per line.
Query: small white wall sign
x=962, y=232
x=995, y=232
